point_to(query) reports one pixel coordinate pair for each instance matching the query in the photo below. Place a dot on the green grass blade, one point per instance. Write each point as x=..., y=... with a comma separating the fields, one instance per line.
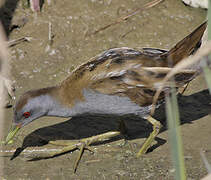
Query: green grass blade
x=172, y=112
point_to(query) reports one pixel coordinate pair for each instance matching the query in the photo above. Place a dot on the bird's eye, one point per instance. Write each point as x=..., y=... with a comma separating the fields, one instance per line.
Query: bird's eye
x=26, y=114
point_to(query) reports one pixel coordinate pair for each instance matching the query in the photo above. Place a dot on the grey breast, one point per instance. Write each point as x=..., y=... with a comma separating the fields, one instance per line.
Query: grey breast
x=97, y=103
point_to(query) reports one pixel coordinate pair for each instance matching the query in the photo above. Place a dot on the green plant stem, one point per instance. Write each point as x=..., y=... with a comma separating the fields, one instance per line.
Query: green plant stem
x=175, y=135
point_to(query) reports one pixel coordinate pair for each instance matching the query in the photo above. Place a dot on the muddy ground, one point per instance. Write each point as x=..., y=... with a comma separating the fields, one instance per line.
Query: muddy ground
x=37, y=64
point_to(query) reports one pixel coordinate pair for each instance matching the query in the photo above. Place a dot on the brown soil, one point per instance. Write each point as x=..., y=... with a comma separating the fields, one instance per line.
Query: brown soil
x=35, y=64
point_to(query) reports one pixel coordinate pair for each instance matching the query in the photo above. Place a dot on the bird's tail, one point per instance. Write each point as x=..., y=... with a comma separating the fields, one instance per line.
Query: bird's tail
x=187, y=46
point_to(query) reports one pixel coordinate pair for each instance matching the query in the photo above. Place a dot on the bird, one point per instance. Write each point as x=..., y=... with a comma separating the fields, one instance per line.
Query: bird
x=119, y=81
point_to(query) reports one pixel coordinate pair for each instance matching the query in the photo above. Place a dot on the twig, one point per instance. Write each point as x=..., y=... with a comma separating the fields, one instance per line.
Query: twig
x=30, y=150
x=92, y=161
x=206, y=163
x=125, y=34
x=50, y=35
x=29, y=153
x=19, y=40
x=123, y=18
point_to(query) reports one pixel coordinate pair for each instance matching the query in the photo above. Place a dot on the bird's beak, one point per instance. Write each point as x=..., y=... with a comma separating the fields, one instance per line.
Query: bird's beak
x=14, y=129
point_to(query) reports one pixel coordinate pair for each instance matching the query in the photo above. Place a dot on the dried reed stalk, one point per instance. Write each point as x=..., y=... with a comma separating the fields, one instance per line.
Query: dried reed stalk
x=4, y=73
x=185, y=63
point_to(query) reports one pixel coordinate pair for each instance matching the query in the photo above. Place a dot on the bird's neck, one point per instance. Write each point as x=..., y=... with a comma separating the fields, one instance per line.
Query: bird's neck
x=56, y=108
x=50, y=101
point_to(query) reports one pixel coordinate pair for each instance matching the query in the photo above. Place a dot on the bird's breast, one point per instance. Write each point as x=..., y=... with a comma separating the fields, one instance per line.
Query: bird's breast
x=98, y=103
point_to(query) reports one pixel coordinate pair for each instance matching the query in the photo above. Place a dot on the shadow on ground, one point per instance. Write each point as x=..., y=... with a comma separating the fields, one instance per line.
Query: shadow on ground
x=192, y=108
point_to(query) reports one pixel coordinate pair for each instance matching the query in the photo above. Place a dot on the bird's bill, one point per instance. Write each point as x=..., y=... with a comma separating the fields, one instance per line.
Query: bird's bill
x=12, y=133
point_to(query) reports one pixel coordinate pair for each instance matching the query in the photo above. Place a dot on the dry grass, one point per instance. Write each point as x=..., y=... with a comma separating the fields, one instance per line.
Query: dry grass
x=4, y=72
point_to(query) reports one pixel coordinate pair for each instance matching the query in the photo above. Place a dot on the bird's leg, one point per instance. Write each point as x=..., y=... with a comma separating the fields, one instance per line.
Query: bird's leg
x=156, y=128
x=123, y=130
x=82, y=144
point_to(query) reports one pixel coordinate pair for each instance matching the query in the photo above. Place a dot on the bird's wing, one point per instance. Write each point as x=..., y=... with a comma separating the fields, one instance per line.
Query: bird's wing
x=124, y=72
x=138, y=83
x=136, y=77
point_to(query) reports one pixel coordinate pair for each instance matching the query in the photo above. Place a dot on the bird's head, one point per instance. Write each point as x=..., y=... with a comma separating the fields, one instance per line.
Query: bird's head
x=30, y=106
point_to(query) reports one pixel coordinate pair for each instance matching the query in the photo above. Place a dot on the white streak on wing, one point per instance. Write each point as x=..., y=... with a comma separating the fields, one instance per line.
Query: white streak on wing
x=110, y=74
x=128, y=81
x=140, y=85
x=117, y=73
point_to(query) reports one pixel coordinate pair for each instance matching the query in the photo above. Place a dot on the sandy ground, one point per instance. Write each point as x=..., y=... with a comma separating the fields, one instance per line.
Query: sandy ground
x=35, y=64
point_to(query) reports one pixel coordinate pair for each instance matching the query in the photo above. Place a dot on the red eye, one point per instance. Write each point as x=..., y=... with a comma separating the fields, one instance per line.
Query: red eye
x=26, y=114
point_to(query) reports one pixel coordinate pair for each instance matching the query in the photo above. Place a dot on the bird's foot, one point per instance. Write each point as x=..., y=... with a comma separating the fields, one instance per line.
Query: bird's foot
x=156, y=128
x=81, y=145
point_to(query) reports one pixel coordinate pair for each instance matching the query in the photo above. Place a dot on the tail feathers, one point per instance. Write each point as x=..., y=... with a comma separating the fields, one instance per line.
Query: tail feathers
x=187, y=46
